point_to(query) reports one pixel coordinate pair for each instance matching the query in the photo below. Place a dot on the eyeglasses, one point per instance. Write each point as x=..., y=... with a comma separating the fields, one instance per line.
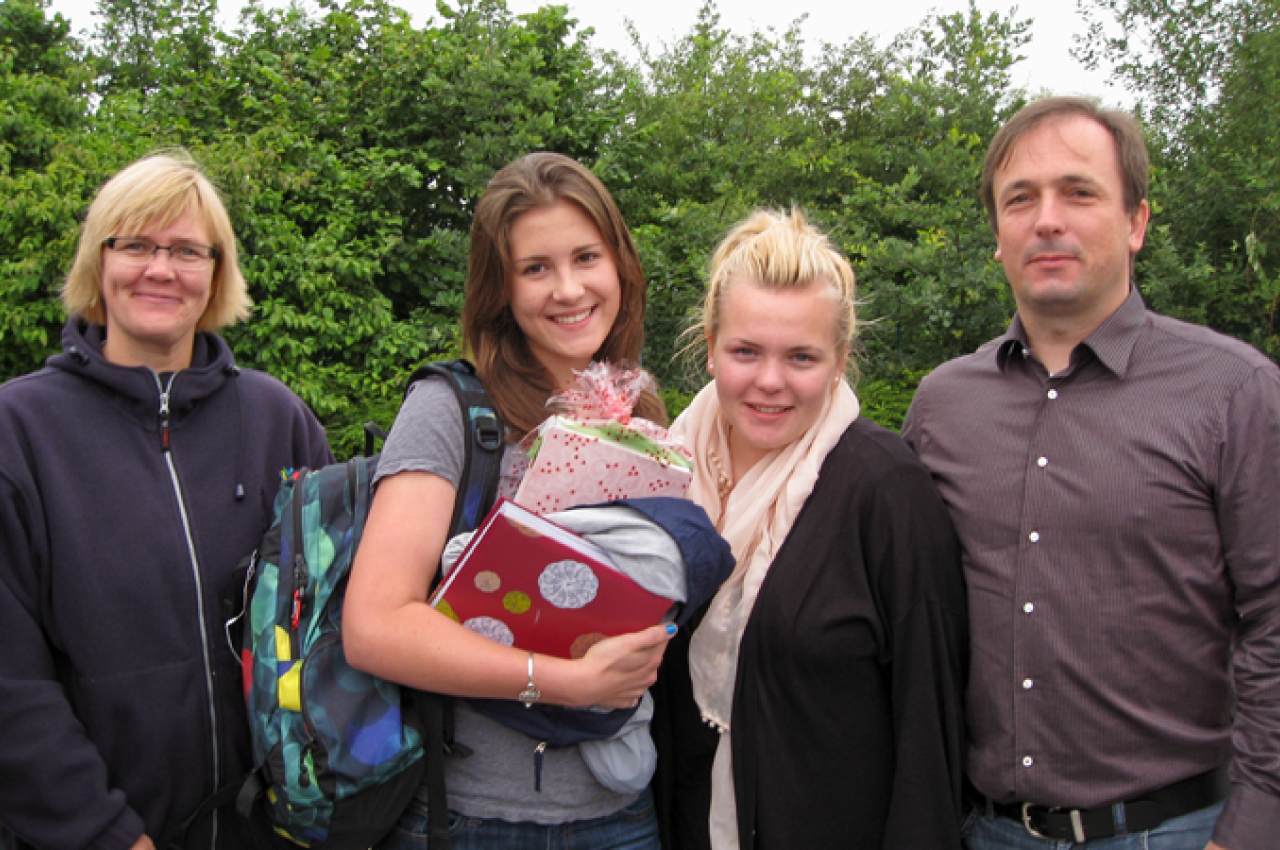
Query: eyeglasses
x=140, y=251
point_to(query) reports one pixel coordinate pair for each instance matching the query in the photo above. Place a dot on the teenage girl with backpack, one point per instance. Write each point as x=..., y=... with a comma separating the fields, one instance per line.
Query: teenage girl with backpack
x=553, y=283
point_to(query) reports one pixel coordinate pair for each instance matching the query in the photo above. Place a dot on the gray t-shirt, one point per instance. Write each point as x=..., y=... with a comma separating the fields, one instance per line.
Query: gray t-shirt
x=497, y=779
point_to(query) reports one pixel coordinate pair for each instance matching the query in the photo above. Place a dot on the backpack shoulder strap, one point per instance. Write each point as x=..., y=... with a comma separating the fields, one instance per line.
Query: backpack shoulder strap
x=482, y=458
x=477, y=491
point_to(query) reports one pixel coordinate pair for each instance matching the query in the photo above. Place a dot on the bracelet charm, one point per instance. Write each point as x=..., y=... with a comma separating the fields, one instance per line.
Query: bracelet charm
x=530, y=694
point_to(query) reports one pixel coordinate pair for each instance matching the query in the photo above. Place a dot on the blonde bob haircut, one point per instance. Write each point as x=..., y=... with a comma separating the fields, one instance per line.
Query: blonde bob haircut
x=155, y=192
x=778, y=250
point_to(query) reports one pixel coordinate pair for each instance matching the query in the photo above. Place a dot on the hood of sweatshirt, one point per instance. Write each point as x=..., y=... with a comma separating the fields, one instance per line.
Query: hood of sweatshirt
x=211, y=365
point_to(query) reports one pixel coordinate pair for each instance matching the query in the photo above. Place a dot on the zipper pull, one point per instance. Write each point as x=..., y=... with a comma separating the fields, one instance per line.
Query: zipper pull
x=299, y=582
x=537, y=765
x=164, y=420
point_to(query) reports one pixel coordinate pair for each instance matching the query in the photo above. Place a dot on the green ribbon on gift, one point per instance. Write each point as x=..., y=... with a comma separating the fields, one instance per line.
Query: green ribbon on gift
x=616, y=432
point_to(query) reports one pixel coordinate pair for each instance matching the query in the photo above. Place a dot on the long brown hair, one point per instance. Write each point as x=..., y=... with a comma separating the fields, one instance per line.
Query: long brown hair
x=515, y=379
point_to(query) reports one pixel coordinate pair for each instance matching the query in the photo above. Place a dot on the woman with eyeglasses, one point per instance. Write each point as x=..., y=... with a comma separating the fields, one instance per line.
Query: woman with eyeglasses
x=137, y=468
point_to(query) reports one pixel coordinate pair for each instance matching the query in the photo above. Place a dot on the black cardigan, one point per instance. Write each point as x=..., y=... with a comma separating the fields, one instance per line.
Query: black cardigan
x=847, y=723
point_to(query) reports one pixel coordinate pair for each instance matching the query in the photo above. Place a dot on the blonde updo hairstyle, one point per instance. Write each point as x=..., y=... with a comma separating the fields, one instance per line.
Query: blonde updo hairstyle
x=155, y=192
x=779, y=251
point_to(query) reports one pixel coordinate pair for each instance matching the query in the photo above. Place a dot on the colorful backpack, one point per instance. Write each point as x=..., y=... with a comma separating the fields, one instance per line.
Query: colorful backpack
x=338, y=753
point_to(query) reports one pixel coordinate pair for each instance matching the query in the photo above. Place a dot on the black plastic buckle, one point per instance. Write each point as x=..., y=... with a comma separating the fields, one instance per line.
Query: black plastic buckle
x=488, y=432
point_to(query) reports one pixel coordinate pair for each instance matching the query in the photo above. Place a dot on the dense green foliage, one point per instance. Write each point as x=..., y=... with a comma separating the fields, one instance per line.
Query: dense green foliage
x=1207, y=76
x=351, y=144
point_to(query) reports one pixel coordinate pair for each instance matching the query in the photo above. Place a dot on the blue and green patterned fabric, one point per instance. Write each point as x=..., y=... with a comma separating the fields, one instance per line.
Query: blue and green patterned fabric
x=338, y=754
x=338, y=751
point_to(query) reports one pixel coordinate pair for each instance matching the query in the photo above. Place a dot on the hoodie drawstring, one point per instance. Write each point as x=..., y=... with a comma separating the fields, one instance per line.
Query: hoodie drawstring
x=233, y=371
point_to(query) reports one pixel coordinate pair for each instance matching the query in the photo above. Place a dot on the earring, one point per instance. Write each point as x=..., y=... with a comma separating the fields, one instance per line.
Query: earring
x=711, y=367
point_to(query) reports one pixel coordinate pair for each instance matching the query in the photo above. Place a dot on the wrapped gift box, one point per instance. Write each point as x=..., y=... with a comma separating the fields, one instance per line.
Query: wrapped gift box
x=587, y=463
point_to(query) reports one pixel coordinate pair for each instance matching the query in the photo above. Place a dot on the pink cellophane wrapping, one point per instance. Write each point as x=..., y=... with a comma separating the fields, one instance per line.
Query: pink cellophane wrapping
x=595, y=451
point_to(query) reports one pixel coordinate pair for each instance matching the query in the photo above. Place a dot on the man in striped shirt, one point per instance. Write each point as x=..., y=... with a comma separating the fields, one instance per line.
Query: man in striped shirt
x=1114, y=476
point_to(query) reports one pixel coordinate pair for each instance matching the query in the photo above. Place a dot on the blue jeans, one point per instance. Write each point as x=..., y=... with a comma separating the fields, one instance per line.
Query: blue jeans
x=1189, y=832
x=633, y=828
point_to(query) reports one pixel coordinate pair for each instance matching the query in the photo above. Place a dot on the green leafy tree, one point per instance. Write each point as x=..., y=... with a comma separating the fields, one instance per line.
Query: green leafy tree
x=140, y=46
x=713, y=125
x=912, y=213
x=42, y=84
x=882, y=147
x=1206, y=76
x=43, y=105
x=351, y=146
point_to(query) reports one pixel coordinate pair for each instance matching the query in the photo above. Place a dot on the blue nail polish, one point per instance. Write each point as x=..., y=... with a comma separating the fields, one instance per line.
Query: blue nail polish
x=671, y=628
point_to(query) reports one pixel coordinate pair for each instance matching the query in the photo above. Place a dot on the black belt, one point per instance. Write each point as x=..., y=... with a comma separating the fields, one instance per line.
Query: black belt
x=1140, y=814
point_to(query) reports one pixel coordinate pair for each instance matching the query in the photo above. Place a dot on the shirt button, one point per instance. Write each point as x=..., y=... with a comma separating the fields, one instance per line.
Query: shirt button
x=1029, y=607
x=1027, y=684
x=1034, y=537
x=1042, y=462
x=1027, y=761
x=1052, y=394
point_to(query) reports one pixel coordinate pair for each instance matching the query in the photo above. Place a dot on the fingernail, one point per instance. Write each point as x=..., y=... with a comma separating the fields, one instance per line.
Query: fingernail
x=671, y=628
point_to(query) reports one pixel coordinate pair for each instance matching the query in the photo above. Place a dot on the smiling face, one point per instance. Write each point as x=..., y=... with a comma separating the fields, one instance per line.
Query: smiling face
x=775, y=358
x=152, y=310
x=565, y=293
x=1064, y=236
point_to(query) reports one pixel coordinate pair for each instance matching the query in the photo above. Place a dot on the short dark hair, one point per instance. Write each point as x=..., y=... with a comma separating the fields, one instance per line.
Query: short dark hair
x=1131, y=145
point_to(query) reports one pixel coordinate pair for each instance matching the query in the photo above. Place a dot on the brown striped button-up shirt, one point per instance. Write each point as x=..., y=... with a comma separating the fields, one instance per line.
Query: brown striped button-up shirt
x=1121, y=531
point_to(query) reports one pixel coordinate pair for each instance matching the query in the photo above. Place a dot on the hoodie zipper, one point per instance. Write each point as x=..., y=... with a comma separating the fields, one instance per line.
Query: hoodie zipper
x=195, y=573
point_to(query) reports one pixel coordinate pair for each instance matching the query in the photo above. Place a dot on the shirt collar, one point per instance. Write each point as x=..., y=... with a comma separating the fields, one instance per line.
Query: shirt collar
x=1112, y=342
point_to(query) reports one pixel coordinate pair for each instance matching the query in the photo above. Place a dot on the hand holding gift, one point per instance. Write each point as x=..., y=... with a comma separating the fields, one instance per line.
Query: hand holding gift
x=593, y=450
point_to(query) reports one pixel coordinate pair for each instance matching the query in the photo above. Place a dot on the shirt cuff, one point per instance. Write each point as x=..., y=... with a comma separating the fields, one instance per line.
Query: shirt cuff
x=1249, y=821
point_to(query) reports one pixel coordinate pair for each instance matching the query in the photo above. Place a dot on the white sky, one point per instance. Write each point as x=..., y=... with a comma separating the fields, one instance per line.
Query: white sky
x=1048, y=66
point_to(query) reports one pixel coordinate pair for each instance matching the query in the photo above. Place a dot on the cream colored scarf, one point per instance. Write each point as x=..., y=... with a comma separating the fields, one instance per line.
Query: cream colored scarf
x=756, y=519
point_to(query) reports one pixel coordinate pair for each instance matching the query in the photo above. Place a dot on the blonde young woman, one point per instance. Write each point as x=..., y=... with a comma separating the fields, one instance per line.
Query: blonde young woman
x=832, y=661
x=553, y=283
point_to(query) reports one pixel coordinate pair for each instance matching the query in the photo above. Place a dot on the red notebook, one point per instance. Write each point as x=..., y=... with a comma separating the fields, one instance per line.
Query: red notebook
x=525, y=581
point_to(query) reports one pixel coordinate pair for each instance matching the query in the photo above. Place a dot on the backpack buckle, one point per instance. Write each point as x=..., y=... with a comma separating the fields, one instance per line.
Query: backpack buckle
x=488, y=431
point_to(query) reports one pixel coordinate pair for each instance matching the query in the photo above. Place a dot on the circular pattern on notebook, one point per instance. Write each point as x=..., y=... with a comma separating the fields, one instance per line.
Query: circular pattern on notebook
x=568, y=584
x=584, y=642
x=517, y=602
x=492, y=629
x=487, y=581
x=445, y=608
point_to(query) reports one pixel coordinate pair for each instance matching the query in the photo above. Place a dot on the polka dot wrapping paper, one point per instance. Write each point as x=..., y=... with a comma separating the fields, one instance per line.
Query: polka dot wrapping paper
x=588, y=463
x=526, y=582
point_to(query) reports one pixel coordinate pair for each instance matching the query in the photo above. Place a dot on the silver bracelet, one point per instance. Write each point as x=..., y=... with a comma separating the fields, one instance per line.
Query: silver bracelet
x=530, y=694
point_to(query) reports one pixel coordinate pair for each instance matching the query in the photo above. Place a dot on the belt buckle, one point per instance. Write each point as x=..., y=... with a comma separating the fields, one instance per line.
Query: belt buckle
x=1077, y=825
x=1026, y=823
